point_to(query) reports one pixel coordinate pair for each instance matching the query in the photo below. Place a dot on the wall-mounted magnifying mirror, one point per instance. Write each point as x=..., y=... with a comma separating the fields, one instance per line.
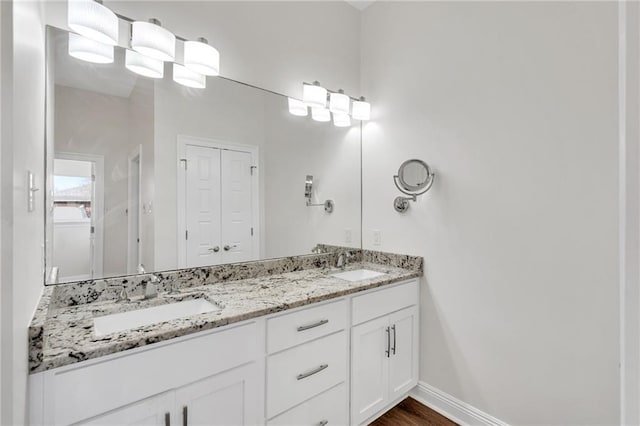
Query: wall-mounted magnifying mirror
x=414, y=178
x=308, y=193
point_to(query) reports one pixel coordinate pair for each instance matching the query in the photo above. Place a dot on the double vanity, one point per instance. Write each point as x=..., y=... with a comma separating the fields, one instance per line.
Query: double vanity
x=290, y=341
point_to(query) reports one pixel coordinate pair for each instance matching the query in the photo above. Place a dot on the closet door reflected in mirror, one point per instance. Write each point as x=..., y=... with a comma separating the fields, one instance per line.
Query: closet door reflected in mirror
x=144, y=171
x=219, y=189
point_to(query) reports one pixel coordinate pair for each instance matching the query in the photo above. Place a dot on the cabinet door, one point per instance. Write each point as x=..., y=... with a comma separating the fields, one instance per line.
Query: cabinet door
x=403, y=362
x=226, y=399
x=148, y=412
x=369, y=368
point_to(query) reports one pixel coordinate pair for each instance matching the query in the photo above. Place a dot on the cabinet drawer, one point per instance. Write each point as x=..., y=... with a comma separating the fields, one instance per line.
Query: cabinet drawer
x=297, y=374
x=330, y=407
x=307, y=324
x=383, y=302
x=84, y=391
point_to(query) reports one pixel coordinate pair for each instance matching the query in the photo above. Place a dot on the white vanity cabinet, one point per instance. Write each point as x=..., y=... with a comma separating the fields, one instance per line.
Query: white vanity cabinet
x=384, y=349
x=220, y=400
x=141, y=386
x=338, y=362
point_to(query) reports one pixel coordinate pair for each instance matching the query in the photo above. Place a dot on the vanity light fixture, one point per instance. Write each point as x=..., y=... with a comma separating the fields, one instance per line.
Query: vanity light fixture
x=361, y=109
x=186, y=77
x=202, y=58
x=339, y=102
x=90, y=50
x=341, y=120
x=320, y=114
x=297, y=107
x=93, y=20
x=150, y=39
x=143, y=65
x=314, y=95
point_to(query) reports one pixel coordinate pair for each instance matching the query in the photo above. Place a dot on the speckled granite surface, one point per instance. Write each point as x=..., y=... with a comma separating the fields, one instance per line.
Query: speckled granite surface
x=62, y=331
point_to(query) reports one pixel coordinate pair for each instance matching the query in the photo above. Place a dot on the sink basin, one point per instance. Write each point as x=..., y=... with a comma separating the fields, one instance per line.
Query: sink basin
x=132, y=319
x=357, y=275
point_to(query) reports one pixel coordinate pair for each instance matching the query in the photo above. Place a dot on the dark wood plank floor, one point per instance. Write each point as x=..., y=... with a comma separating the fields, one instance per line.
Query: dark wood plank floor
x=411, y=413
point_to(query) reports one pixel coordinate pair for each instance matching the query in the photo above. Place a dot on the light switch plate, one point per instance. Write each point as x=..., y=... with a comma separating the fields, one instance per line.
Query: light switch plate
x=348, y=235
x=377, y=237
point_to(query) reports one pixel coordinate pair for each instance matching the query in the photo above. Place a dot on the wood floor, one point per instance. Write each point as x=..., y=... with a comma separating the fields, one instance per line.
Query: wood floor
x=411, y=413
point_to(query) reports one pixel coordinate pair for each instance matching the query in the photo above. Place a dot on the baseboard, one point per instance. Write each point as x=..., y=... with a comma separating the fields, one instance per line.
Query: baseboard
x=451, y=407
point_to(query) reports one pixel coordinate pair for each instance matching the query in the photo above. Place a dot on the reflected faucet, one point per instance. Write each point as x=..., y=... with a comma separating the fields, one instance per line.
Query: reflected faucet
x=150, y=287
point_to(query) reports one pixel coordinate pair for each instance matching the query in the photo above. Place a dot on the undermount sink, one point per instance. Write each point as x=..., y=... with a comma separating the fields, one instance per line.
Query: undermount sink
x=357, y=275
x=132, y=319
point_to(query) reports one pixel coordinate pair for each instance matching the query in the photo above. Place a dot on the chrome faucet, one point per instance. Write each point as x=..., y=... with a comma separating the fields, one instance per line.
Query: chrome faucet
x=343, y=259
x=123, y=296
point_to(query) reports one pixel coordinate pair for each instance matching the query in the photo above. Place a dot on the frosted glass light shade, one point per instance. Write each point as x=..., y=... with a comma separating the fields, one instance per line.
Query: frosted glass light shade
x=153, y=41
x=339, y=103
x=201, y=57
x=314, y=95
x=298, y=108
x=93, y=20
x=341, y=120
x=186, y=77
x=89, y=50
x=143, y=65
x=361, y=110
x=320, y=114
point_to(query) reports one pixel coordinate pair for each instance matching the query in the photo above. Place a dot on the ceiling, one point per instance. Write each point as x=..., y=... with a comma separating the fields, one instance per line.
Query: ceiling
x=360, y=4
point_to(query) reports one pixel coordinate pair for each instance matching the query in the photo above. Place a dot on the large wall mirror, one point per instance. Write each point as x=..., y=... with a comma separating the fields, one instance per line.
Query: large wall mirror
x=145, y=171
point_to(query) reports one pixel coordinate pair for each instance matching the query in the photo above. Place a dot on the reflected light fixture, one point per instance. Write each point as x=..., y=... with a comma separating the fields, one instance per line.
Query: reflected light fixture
x=297, y=107
x=361, y=110
x=150, y=39
x=314, y=95
x=90, y=50
x=339, y=102
x=341, y=120
x=202, y=58
x=320, y=114
x=143, y=65
x=186, y=77
x=93, y=20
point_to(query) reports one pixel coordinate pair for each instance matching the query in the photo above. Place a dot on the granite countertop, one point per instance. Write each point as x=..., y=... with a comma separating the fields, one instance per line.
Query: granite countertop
x=63, y=334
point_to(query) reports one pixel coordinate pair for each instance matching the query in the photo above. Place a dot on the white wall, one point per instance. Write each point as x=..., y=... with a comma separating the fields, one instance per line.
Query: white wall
x=6, y=213
x=22, y=232
x=515, y=106
x=629, y=14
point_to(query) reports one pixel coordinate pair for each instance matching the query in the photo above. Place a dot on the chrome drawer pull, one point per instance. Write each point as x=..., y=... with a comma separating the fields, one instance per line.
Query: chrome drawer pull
x=314, y=325
x=394, y=339
x=312, y=372
x=323, y=423
x=388, y=351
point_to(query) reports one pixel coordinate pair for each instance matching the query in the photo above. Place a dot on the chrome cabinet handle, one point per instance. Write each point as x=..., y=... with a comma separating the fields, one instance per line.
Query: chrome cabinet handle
x=393, y=327
x=388, y=351
x=229, y=247
x=323, y=423
x=215, y=249
x=185, y=415
x=312, y=372
x=167, y=419
x=314, y=325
